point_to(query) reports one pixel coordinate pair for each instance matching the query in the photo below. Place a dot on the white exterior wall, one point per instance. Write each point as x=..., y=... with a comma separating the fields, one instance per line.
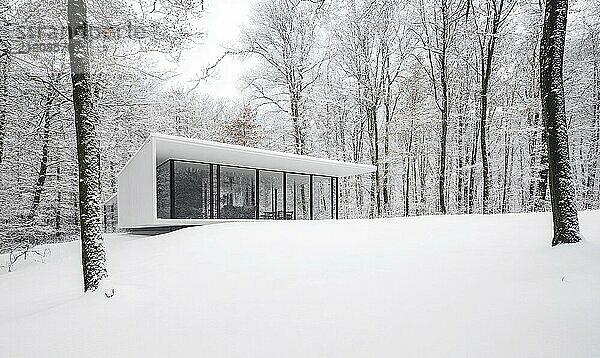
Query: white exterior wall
x=137, y=189
x=137, y=180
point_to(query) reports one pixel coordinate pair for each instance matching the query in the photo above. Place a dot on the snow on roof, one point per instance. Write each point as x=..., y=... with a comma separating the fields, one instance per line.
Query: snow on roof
x=174, y=147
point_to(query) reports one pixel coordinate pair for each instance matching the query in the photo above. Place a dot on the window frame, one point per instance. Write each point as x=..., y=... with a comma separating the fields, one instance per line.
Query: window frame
x=215, y=188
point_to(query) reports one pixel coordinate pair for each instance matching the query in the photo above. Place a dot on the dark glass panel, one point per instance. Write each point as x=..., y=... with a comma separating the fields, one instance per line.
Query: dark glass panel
x=335, y=201
x=270, y=195
x=321, y=196
x=297, y=196
x=215, y=187
x=237, y=196
x=192, y=191
x=163, y=190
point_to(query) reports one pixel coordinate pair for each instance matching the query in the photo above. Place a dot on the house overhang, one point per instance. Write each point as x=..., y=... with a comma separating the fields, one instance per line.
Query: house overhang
x=180, y=148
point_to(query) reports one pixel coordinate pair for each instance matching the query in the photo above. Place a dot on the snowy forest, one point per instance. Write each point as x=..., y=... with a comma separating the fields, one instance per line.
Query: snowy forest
x=442, y=96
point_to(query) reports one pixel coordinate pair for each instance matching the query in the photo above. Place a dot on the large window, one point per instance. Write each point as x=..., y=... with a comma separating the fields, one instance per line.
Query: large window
x=321, y=196
x=270, y=195
x=163, y=190
x=237, y=193
x=298, y=196
x=191, y=191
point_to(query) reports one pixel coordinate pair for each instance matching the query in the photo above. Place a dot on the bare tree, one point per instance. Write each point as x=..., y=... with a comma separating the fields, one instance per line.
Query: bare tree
x=283, y=36
x=495, y=14
x=439, y=21
x=562, y=195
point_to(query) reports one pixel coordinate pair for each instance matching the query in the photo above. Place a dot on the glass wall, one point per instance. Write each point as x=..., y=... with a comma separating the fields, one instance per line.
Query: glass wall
x=187, y=190
x=297, y=196
x=270, y=195
x=237, y=193
x=163, y=190
x=215, y=190
x=321, y=197
x=335, y=199
x=191, y=191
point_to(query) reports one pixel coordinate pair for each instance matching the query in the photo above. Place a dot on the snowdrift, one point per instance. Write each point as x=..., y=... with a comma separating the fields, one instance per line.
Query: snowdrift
x=452, y=286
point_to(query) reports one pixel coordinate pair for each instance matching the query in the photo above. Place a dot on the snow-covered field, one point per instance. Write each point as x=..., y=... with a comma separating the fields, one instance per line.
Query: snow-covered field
x=454, y=286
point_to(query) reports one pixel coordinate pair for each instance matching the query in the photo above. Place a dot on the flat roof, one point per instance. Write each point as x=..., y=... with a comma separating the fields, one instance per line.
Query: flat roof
x=182, y=148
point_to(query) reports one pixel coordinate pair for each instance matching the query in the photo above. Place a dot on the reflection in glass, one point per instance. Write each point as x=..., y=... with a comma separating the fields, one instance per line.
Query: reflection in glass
x=237, y=200
x=297, y=197
x=192, y=191
x=334, y=201
x=270, y=195
x=322, y=203
x=215, y=191
x=163, y=190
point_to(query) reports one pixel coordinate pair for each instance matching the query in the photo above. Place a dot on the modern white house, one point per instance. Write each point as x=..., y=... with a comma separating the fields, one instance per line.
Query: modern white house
x=175, y=181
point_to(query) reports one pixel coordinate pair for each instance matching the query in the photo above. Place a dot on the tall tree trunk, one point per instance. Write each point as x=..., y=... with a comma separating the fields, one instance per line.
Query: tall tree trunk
x=408, y=164
x=41, y=179
x=443, y=142
x=299, y=140
x=486, y=72
x=461, y=162
x=3, y=97
x=591, y=196
x=471, y=187
x=386, y=171
x=386, y=140
x=562, y=193
x=487, y=46
x=484, y=154
x=374, y=151
x=508, y=153
x=88, y=149
x=58, y=212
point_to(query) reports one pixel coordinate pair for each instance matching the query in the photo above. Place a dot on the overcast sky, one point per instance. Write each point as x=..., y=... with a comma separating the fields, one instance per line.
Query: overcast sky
x=221, y=23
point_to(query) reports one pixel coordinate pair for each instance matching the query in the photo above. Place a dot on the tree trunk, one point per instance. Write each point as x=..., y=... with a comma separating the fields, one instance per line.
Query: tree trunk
x=408, y=164
x=3, y=99
x=471, y=186
x=508, y=160
x=88, y=149
x=461, y=163
x=562, y=196
x=591, y=193
x=487, y=47
x=444, y=136
x=442, y=173
x=58, y=212
x=484, y=155
x=297, y=123
x=386, y=150
x=374, y=152
x=41, y=180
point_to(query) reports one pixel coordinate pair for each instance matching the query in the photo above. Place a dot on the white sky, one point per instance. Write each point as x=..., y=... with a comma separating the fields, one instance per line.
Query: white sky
x=221, y=24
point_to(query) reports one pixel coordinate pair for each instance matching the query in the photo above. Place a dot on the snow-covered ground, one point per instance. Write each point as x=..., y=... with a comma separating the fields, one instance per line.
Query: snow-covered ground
x=454, y=286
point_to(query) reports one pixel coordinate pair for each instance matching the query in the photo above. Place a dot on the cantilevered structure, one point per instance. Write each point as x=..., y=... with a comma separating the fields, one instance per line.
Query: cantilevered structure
x=175, y=181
